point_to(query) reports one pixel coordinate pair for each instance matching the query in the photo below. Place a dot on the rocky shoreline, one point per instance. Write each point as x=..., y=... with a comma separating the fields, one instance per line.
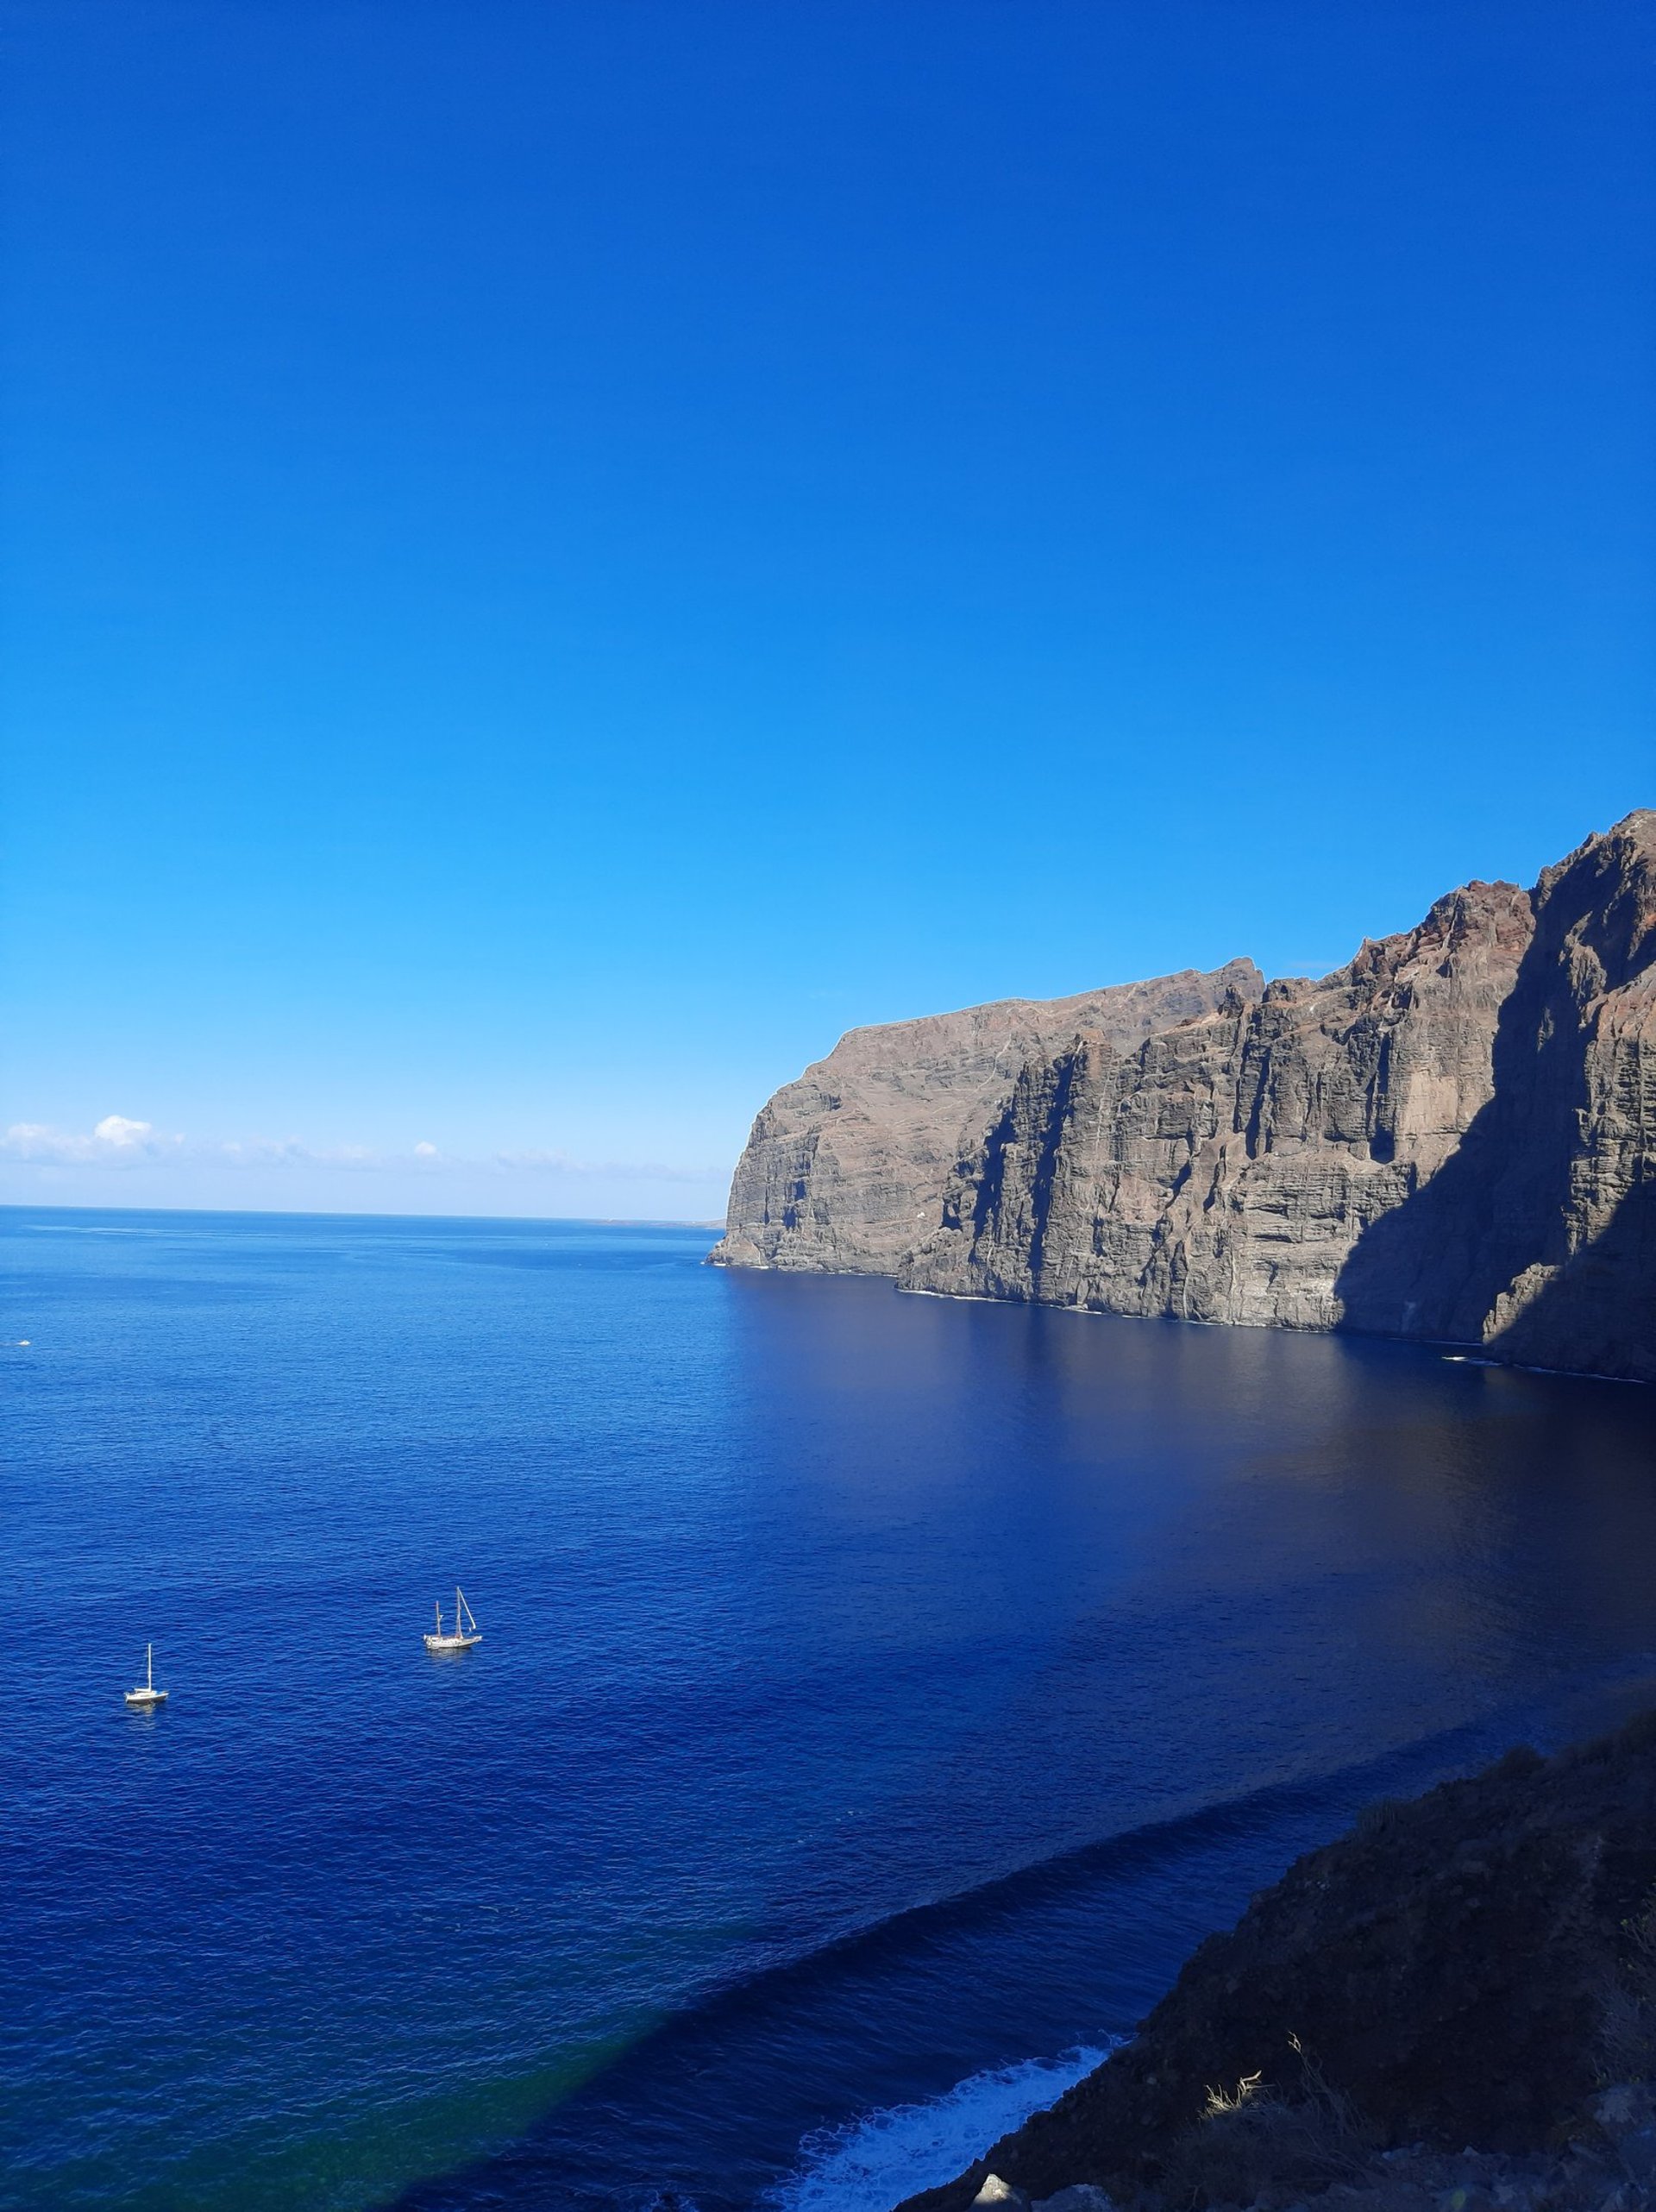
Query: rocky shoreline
x=1474, y=1968
x=1451, y=1138
x=1613, y=2175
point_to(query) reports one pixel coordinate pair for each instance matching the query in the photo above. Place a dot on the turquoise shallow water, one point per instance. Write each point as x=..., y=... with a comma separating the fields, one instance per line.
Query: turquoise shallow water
x=877, y=1695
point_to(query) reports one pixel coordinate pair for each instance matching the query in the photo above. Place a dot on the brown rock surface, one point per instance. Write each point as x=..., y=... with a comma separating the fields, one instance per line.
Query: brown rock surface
x=844, y=1169
x=1453, y=1969
x=1225, y=1170
x=1539, y=1237
x=1451, y=1138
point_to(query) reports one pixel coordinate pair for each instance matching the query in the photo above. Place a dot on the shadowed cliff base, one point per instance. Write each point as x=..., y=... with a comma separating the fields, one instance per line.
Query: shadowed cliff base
x=1535, y=1237
x=1608, y=1287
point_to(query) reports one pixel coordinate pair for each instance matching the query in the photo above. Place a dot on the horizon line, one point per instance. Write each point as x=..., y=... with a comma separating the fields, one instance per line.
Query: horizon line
x=340, y=1214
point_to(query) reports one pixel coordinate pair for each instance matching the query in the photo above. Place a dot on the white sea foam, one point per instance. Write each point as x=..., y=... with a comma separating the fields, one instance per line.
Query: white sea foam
x=873, y=2163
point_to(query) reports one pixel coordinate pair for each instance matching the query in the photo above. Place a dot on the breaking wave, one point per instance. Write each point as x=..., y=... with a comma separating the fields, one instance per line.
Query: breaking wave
x=874, y=2162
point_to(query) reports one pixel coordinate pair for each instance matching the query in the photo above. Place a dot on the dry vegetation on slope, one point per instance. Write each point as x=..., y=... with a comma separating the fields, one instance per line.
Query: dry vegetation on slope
x=1477, y=1967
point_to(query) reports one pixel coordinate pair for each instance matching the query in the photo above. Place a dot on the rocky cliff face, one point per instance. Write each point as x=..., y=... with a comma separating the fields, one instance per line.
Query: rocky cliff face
x=845, y=1169
x=1225, y=1169
x=1538, y=1237
x=1451, y=1138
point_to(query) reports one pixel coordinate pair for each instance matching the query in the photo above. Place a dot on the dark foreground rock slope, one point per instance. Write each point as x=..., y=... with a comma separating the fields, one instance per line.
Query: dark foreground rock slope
x=1451, y=1138
x=1477, y=1967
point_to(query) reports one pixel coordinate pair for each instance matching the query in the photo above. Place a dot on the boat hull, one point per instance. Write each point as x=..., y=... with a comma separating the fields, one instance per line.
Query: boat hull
x=146, y=1697
x=451, y=1642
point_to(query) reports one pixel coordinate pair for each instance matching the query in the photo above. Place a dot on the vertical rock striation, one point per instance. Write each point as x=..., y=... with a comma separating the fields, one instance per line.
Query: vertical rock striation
x=1539, y=1237
x=1225, y=1170
x=845, y=1169
x=1450, y=1138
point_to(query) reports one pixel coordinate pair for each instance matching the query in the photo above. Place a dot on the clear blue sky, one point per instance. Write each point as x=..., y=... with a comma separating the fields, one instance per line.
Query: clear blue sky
x=561, y=553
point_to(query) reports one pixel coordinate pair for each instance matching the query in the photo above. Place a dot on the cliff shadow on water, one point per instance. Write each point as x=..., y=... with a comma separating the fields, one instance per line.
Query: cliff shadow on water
x=1537, y=1236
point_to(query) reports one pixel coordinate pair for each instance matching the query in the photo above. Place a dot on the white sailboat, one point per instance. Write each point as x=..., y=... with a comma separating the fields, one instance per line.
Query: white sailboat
x=147, y=1692
x=458, y=1639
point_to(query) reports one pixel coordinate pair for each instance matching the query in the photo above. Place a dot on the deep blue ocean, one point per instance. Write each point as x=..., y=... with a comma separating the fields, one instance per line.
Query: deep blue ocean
x=878, y=1696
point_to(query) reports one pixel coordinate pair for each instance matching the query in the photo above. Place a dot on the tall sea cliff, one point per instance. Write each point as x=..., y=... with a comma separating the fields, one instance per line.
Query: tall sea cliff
x=1451, y=1138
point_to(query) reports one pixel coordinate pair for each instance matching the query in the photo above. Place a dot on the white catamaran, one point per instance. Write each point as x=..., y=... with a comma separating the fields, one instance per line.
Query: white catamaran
x=458, y=1640
x=147, y=1692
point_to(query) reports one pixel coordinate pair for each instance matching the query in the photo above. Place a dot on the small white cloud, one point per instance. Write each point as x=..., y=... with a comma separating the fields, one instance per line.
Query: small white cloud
x=116, y=1129
x=288, y=1152
x=120, y=1141
x=257, y=1152
x=117, y=1141
x=35, y=1141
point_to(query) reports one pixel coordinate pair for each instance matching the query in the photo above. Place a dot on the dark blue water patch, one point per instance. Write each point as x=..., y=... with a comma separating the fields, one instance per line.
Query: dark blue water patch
x=805, y=1605
x=711, y=2110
